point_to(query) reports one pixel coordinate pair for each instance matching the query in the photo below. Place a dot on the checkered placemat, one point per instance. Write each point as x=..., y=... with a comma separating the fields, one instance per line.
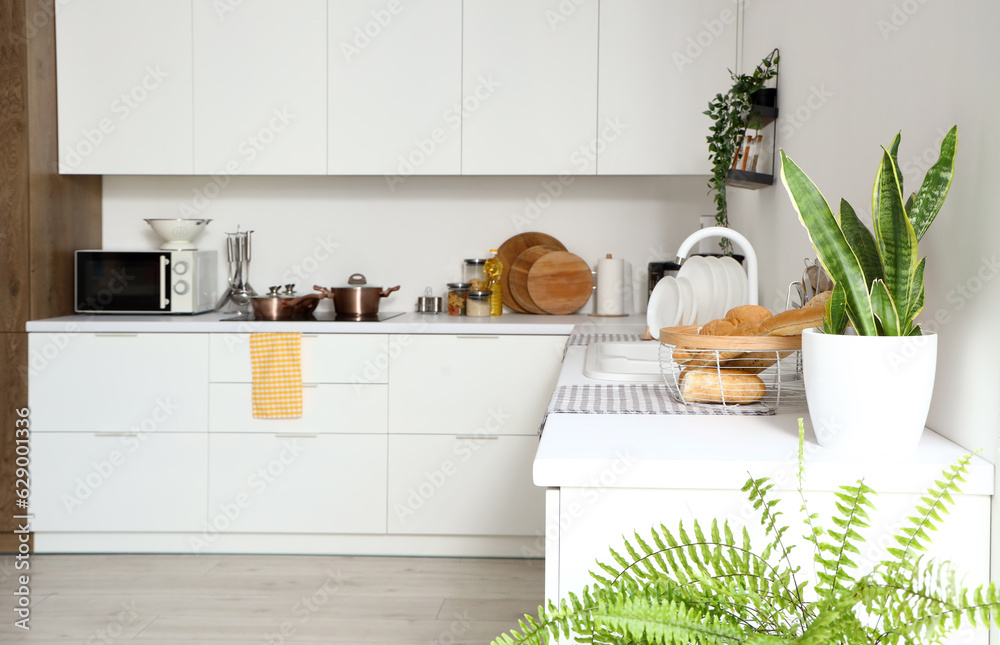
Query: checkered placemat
x=644, y=398
x=588, y=338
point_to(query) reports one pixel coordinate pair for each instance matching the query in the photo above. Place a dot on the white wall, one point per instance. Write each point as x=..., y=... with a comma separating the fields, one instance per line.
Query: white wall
x=416, y=235
x=853, y=73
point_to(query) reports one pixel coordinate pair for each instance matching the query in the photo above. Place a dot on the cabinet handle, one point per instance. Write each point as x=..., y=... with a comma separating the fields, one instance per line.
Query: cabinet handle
x=477, y=437
x=116, y=434
x=476, y=336
x=310, y=385
x=296, y=435
x=310, y=335
x=112, y=334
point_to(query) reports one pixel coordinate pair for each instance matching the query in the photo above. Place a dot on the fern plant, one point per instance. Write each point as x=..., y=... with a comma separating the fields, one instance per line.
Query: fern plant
x=709, y=585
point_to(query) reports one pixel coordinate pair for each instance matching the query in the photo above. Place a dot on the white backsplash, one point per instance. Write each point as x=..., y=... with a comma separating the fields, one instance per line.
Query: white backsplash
x=319, y=230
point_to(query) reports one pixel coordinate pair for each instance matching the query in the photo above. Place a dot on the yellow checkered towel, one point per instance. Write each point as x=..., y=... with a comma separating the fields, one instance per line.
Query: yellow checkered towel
x=276, y=363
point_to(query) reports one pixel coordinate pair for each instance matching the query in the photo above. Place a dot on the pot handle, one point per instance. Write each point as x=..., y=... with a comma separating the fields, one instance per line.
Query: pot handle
x=357, y=278
x=386, y=292
x=325, y=293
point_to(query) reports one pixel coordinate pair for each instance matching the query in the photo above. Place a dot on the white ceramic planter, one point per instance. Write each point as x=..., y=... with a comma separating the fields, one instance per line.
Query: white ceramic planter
x=868, y=394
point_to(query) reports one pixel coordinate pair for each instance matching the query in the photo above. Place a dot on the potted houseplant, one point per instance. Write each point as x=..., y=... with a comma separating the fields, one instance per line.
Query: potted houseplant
x=869, y=372
x=709, y=585
x=730, y=113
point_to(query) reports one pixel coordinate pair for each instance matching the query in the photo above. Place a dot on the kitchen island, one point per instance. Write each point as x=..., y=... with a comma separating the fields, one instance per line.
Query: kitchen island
x=608, y=476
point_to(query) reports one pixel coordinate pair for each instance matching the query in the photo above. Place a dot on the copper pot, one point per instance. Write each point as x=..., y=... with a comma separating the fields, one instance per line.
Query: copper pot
x=357, y=298
x=285, y=306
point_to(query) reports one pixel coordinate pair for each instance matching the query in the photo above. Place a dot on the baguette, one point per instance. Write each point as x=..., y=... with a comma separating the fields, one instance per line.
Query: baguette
x=706, y=385
x=746, y=315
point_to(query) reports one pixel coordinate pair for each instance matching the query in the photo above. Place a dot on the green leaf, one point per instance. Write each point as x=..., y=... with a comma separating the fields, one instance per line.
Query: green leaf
x=835, y=320
x=862, y=242
x=896, y=239
x=915, y=299
x=937, y=182
x=831, y=245
x=885, y=310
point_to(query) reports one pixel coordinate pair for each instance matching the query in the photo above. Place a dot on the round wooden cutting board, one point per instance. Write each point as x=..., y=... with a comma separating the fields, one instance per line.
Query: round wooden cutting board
x=518, y=280
x=508, y=252
x=560, y=282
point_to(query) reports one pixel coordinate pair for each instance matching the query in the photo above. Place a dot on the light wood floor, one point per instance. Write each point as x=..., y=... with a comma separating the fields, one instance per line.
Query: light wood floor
x=161, y=599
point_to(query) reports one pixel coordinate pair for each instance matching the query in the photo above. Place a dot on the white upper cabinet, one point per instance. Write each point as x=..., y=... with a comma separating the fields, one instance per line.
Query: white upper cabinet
x=124, y=87
x=395, y=87
x=661, y=62
x=260, y=87
x=529, y=87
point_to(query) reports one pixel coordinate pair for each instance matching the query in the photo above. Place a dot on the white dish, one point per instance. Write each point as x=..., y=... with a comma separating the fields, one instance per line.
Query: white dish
x=738, y=283
x=720, y=295
x=689, y=306
x=664, y=308
x=696, y=269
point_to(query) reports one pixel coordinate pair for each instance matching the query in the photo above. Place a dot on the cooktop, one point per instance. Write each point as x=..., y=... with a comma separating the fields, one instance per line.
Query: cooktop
x=328, y=316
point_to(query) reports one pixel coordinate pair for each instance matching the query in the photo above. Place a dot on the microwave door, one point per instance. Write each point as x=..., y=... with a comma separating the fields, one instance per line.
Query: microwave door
x=123, y=282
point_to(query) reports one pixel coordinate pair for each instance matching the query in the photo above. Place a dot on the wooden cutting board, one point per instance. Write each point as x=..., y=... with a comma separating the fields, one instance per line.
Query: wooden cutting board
x=508, y=252
x=518, y=276
x=560, y=282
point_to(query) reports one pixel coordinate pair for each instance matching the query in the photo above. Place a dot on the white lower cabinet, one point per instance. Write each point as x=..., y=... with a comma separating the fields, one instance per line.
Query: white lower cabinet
x=296, y=483
x=83, y=382
x=326, y=358
x=464, y=485
x=472, y=384
x=118, y=481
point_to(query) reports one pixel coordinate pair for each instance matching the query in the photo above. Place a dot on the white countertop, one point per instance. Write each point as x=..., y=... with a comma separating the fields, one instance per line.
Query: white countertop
x=407, y=323
x=718, y=452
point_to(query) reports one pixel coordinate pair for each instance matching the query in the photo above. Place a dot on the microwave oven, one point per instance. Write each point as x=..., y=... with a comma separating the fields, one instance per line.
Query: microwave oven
x=145, y=282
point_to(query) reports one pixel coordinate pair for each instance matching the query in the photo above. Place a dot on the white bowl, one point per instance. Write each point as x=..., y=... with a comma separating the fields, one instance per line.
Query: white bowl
x=178, y=234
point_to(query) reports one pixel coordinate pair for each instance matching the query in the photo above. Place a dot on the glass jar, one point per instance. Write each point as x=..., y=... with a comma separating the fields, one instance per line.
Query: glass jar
x=457, y=292
x=478, y=304
x=474, y=272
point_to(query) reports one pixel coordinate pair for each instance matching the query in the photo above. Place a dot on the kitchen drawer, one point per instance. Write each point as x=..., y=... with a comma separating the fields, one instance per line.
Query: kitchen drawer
x=467, y=384
x=463, y=485
x=326, y=408
x=326, y=358
x=118, y=382
x=297, y=483
x=118, y=481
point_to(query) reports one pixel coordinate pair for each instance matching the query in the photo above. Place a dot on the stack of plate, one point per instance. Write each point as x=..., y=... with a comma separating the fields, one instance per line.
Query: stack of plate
x=705, y=289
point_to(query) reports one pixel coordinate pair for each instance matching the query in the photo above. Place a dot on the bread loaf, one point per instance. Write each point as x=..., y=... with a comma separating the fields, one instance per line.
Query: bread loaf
x=708, y=385
x=719, y=327
x=746, y=315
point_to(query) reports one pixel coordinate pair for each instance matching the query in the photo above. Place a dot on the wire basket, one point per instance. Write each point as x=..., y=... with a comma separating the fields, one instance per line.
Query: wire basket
x=732, y=374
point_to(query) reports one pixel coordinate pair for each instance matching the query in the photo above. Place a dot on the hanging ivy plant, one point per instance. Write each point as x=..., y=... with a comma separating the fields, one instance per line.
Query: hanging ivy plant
x=729, y=113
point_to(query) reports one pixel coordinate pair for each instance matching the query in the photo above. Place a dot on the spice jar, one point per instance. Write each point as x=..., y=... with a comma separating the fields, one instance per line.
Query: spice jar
x=457, y=292
x=478, y=304
x=474, y=272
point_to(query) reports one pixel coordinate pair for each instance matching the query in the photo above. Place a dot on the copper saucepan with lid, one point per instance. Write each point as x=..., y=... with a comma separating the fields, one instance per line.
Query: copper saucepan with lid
x=357, y=298
x=286, y=305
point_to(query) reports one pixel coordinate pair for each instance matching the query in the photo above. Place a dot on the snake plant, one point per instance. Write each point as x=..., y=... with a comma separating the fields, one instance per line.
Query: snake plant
x=878, y=278
x=708, y=585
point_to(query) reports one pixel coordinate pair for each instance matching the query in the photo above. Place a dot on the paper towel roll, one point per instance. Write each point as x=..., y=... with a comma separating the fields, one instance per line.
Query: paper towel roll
x=610, y=286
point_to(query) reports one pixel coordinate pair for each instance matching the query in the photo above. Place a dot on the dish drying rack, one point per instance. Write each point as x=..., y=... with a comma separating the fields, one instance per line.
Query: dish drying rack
x=737, y=374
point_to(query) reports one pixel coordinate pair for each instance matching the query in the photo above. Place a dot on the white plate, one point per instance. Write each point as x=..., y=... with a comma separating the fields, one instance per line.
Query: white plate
x=720, y=296
x=696, y=269
x=664, y=309
x=689, y=306
x=738, y=283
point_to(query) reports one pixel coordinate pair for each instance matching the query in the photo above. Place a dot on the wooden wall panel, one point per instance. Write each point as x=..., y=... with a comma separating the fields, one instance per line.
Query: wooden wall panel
x=14, y=386
x=64, y=210
x=14, y=264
